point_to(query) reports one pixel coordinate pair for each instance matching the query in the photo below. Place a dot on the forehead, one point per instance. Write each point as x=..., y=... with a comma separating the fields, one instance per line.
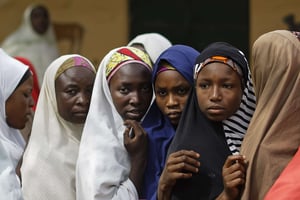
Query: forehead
x=132, y=72
x=217, y=70
x=77, y=74
x=170, y=78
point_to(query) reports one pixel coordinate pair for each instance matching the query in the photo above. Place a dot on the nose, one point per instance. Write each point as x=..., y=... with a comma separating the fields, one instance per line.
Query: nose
x=215, y=94
x=83, y=99
x=134, y=98
x=31, y=101
x=171, y=101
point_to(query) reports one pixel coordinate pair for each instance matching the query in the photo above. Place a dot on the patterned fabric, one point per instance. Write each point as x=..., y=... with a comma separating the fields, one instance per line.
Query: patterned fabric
x=124, y=56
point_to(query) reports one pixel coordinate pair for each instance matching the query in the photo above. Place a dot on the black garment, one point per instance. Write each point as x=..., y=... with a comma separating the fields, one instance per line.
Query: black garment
x=198, y=133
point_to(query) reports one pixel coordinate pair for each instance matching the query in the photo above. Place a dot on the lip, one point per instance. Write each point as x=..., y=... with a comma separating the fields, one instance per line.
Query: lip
x=174, y=115
x=134, y=114
x=215, y=109
x=80, y=113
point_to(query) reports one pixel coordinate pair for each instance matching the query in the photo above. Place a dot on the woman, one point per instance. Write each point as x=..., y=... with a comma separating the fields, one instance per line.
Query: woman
x=199, y=149
x=16, y=105
x=273, y=135
x=34, y=39
x=113, y=148
x=48, y=170
x=172, y=78
x=152, y=43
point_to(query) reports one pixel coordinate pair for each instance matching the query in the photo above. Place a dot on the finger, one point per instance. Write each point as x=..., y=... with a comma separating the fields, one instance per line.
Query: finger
x=189, y=153
x=233, y=159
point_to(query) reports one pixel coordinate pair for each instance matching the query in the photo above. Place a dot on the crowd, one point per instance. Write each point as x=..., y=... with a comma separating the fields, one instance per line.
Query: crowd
x=154, y=121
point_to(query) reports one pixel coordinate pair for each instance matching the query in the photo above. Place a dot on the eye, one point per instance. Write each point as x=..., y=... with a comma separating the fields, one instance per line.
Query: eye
x=228, y=85
x=71, y=92
x=146, y=89
x=161, y=93
x=203, y=85
x=182, y=91
x=124, y=90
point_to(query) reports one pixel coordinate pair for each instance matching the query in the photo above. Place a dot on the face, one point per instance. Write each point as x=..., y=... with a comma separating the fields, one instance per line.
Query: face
x=19, y=105
x=219, y=91
x=73, y=93
x=40, y=19
x=131, y=91
x=172, y=91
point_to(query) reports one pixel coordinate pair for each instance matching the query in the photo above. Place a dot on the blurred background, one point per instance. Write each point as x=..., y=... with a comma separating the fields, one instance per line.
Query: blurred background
x=93, y=27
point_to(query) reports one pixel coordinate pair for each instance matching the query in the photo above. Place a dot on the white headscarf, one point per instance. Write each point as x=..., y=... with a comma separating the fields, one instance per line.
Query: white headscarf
x=41, y=50
x=49, y=162
x=103, y=164
x=154, y=44
x=11, y=141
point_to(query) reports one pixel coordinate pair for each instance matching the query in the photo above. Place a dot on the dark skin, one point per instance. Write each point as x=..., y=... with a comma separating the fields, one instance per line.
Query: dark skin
x=219, y=92
x=131, y=91
x=40, y=19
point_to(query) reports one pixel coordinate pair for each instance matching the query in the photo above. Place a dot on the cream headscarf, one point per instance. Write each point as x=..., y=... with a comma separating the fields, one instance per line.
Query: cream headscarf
x=41, y=50
x=154, y=44
x=103, y=164
x=11, y=141
x=273, y=136
x=48, y=170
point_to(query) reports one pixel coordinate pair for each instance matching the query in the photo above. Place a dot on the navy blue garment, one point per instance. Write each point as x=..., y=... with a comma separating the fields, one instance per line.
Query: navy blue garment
x=158, y=127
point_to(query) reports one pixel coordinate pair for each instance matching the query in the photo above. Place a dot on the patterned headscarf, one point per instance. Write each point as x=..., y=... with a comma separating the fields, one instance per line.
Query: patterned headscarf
x=125, y=56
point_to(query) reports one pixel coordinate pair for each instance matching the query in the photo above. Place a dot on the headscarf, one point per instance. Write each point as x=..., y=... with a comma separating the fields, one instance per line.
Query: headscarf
x=154, y=44
x=158, y=127
x=11, y=141
x=36, y=86
x=103, y=165
x=273, y=134
x=41, y=50
x=49, y=162
x=196, y=132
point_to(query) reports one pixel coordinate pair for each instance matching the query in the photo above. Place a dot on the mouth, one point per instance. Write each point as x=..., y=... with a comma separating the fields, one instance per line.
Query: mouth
x=80, y=114
x=174, y=115
x=134, y=114
x=215, y=110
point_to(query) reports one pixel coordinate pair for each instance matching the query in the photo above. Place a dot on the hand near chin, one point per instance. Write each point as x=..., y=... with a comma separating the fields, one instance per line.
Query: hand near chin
x=136, y=144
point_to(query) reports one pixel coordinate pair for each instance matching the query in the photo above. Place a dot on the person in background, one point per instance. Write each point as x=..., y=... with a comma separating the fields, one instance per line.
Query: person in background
x=35, y=94
x=273, y=135
x=16, y=104
x=200, y=163
x=113, y=150
x=172, y=79
x=34, y=39
x=151, y=43
x=49, y=162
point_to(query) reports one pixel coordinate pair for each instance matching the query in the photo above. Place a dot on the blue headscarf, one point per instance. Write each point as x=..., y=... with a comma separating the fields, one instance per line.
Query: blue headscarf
x=158, y=127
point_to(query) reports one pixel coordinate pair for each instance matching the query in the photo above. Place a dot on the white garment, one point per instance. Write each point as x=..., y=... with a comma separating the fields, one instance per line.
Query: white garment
x=103, y=164
x=41, y=50
x=49, y=162
x=11, y=141
x=154, y=44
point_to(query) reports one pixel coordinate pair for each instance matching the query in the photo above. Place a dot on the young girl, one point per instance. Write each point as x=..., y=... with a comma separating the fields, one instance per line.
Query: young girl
x=16, y=105
x=172, y=78
x=113, y=149
x=200, y=146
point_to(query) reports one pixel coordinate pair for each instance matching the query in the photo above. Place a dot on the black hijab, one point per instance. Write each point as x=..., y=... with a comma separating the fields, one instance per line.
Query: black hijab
x=196, y=132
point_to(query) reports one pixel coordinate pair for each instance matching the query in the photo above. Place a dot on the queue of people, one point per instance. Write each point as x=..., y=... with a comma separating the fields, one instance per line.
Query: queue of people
x=155, y=120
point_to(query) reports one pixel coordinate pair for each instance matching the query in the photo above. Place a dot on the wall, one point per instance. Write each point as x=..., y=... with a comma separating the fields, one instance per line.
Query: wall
x=267, y=15
x=105, y=22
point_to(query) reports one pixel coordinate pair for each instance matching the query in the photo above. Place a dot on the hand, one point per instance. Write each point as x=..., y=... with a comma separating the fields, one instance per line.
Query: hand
x=136, y=146
x=180, y=165
x=233, y=173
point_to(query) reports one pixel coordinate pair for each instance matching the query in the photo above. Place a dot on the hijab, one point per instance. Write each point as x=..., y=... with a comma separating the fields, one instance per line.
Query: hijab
x=196, y=132
x=154, y=44
x=11, y=141
x=103, y=164
x=273, y=134
x=49, y=162
x=158, y=127
x=41, y=50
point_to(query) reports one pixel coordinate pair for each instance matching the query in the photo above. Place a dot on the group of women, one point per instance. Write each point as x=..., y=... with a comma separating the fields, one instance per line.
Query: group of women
x=154, y=122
